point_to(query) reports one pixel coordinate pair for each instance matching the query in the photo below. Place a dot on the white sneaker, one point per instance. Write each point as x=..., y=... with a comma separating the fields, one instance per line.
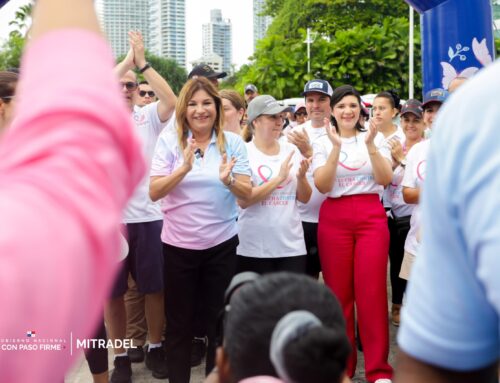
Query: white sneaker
x=383, y=381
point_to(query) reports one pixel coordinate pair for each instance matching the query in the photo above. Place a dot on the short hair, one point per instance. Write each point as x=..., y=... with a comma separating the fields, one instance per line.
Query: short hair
x=186, y=94
x=144, y=82
x=256, y=308
x=392, y=96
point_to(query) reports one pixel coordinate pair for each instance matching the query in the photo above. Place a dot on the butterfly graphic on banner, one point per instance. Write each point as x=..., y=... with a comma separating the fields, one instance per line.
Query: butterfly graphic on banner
x=481, y=53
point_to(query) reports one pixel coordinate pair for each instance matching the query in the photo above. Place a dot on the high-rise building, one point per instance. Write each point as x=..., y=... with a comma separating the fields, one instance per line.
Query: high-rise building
x=120, y=16
x=168, y=25
x=162, y=23
x=217, y=38
x=260, y=23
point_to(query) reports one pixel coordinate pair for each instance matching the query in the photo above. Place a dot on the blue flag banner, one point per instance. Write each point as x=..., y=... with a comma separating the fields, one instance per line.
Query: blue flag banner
x=457, y=39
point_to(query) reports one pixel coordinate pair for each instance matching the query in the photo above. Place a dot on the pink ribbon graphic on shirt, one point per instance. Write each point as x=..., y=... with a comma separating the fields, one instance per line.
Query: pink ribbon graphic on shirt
x=265, y=173
x=343, y=158
x=422, y=170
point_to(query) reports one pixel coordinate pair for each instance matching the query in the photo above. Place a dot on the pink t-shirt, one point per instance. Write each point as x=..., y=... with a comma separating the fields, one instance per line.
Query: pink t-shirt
x=70, y=161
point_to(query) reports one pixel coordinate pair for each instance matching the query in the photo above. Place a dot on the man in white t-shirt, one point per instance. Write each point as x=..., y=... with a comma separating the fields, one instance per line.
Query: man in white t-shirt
x=317, y=94
x=450, y=324
x=143, y=220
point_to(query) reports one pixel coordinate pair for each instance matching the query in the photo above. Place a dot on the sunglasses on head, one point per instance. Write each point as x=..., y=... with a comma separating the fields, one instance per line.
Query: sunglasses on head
x=6, y=98
x=129, y=85
x=143, y=93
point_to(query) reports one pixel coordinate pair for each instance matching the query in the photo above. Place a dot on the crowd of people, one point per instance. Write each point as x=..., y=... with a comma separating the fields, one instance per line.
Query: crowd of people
x=257, y=236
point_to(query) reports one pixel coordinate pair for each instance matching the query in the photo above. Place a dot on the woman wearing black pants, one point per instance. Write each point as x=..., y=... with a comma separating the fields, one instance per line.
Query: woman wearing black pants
x=198, y=173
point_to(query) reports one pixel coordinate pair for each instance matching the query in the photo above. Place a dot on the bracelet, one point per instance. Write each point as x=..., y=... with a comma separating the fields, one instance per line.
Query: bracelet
x=231, y=181
x=372, y=153
x=145, y=68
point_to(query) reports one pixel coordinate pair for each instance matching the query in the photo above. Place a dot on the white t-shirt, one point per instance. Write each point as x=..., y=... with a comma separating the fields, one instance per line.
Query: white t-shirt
x=309, y=212
x=354, y=170
x=148, y=126
x=414, y=178
x=272, y=228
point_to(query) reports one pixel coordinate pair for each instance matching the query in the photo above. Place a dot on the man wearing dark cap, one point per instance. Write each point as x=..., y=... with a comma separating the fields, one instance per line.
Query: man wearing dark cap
x=250, y=92
x=317, y=94
x=204, y=70
x=433, y=100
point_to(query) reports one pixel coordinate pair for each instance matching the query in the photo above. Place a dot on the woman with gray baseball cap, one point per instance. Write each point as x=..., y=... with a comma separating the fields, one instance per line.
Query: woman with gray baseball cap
x=270, y=230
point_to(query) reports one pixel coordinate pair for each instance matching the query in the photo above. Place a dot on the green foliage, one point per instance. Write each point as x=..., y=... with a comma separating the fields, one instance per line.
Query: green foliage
x=11, y=51
x=497, y=47
x=370, y=58
x=167, y=68
x=330, y=16
x=22, y=19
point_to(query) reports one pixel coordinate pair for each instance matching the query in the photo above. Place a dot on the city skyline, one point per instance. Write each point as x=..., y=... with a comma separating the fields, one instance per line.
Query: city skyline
x=197, y=13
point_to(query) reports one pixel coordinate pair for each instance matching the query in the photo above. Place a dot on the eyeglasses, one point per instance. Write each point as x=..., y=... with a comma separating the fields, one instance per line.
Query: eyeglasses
x=129, y=85
x=301, y=114
x=150, y=93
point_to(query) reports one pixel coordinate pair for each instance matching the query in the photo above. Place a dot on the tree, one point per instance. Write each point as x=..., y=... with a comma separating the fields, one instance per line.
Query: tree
x=11, y=51
x=329, y=16
x=370, y=58
x=167, y=68
x=22, y=20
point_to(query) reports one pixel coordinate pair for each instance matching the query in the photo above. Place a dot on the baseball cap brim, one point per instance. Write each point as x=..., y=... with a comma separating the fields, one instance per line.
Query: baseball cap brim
x=217, y=75
x=439, y=101
x=415, y=112
x=271, y=110
x=316, y=91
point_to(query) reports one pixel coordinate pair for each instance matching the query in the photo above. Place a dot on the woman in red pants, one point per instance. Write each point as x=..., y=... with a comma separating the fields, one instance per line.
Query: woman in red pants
x=351, y=166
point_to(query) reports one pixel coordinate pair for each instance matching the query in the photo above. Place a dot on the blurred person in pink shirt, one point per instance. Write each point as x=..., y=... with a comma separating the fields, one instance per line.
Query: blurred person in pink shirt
x=70, y=161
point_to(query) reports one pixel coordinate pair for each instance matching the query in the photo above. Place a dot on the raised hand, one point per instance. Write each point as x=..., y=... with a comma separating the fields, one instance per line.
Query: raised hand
x=188, y=156
x=304, y=166
x=136, y=42
x=332, y=133
x=129, y=59
x=225, y=169
x=285, y=168
x=396, y=150
x=301, y=141
x=372, y=132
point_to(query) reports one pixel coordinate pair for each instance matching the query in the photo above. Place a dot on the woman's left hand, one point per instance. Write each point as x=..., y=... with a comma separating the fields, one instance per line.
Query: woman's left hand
x=225, y=169
x=304, y=166
x=372, y=132
x=397, y=150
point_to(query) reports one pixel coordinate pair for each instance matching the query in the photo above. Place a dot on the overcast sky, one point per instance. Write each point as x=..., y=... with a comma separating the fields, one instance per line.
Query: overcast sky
x=197, y=13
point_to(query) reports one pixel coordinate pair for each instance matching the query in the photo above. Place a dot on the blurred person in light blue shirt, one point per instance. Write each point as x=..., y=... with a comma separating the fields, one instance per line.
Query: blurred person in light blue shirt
x=450, y=326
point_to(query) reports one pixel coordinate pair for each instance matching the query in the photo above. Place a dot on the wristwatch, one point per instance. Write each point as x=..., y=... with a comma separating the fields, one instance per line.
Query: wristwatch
x=145, y=68
x=403, y=163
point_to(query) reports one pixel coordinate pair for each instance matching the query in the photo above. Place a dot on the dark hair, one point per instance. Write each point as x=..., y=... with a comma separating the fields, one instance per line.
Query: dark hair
x=393, y=97
x=255, y=310
x=318, y=356
x=338, y=94
x=8, y=82
x=144, y=82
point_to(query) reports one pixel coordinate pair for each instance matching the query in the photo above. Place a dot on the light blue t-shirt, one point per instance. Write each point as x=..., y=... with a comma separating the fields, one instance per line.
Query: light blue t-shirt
x=451, y=319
